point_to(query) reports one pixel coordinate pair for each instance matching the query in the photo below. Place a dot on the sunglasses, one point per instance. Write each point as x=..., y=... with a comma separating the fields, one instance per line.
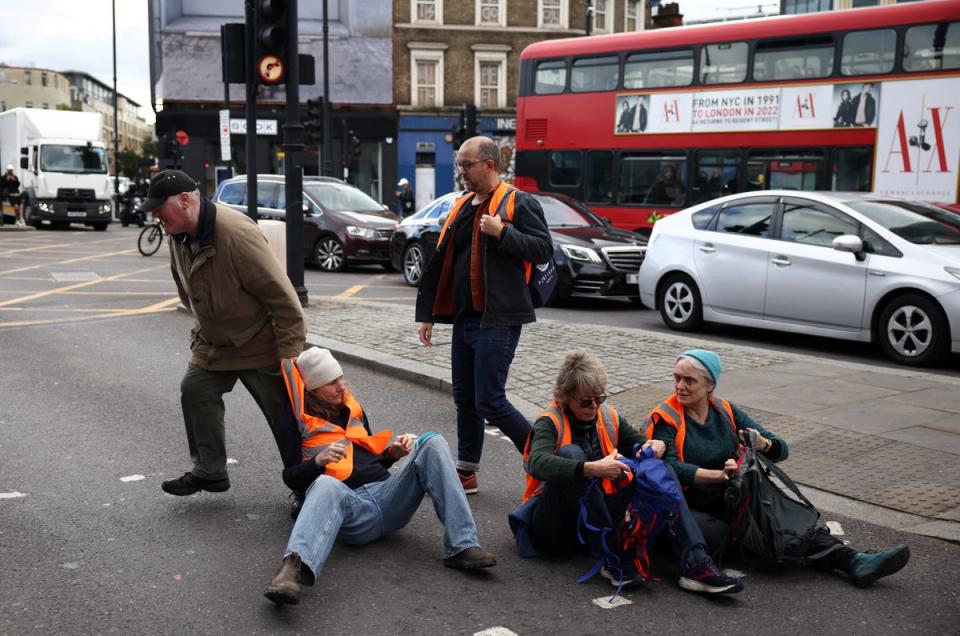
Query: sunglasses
x=588, y=401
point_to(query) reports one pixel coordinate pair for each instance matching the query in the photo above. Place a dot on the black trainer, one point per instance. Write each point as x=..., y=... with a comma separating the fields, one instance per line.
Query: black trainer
x=190, y=483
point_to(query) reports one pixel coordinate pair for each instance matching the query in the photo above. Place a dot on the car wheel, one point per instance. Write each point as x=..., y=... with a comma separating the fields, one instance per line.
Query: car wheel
x=412, y=264
x=329, y=254
x=679, y=302
x=913, y=331
x=28, y=215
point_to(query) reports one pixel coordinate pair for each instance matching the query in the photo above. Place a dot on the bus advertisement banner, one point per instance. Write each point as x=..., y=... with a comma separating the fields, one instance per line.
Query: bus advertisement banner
x=815, y=106
x=918, y=140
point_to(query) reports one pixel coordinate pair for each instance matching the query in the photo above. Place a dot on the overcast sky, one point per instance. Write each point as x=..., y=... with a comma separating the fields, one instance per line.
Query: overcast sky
x=76, y=35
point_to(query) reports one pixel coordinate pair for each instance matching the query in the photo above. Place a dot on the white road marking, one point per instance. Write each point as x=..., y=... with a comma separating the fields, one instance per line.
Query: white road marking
x=493, y=433
x=11, y=495
x=835, y=528
x=495, y=631
x=231, y=460
x=734, y=573
x=609, y=602
x=132, y=478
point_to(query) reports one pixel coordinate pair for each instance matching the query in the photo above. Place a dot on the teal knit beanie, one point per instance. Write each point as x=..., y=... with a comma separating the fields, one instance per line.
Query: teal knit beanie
x=708, y=359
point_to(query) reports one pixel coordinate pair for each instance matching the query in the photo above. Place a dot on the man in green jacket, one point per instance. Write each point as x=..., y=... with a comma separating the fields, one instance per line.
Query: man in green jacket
x=247, y=318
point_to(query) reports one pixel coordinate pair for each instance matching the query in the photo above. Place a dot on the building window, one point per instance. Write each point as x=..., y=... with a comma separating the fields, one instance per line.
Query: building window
x=43, y=79
x=601, y=22
x=552, y=14
x=430, y=11
x=791, y=7
x=46, y=105
x=490, y=70
x=491, y=13
x=426, y=77
x=28, y=78
x=633, y=12
x=28, y=104
x=3, y=104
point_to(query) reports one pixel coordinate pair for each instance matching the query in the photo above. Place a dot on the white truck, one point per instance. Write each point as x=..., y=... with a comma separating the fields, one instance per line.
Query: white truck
x=61, y=162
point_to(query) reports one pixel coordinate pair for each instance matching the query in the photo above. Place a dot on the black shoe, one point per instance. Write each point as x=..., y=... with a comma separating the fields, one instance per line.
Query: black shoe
x=297, y=504
x=867, y=567
x=190, y=483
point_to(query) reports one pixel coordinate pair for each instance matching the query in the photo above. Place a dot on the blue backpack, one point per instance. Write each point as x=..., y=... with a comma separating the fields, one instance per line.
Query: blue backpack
x=656, y=499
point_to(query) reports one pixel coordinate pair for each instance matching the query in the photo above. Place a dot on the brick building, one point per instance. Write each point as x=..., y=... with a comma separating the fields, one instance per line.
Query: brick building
x=448, y=53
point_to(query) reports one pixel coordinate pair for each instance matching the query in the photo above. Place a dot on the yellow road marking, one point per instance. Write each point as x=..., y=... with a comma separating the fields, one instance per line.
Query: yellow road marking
x=67, y=262
x=347, y=293
x=131, y=312
x=33, y=249
x=29, y=297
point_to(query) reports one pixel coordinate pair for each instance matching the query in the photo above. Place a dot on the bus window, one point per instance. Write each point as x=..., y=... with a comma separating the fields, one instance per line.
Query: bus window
x=932, y=47
x=551, y=77
x=868, y=52
x=594, y=74
x=599, y=176
x=723, y=63
x=565, y=168
x=652, y=180
x=793, y=59
x=715, y=175
x=655, y=70
x=797, y=171
x=852, y=168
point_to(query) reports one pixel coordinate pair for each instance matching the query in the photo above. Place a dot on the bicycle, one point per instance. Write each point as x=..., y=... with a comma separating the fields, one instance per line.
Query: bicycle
x=151, y=238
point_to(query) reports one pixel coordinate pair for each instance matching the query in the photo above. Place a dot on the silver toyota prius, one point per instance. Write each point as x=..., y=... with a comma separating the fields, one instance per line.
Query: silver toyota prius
x=856, y=266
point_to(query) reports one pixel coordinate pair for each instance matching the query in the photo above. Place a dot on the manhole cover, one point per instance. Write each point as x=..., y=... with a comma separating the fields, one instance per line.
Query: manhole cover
x=74, y=277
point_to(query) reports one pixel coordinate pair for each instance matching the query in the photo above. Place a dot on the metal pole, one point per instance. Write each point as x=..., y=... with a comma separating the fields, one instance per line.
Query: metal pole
x=327, y=148
x=589, y=14
x=293, y=158
x=116, y=128
x=251, y=136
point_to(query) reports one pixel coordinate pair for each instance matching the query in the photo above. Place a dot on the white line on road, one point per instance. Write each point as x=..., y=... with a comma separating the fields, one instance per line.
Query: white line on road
x=231, y=460
x=835, y=528
x=495, y=631
x=11, y=495
x=133, y=478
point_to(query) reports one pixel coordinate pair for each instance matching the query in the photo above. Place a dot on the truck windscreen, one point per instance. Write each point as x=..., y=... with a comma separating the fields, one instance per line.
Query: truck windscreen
x=75, y=159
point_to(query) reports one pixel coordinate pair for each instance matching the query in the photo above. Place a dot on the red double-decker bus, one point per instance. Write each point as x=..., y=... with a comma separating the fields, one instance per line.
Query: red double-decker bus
x=639, y=125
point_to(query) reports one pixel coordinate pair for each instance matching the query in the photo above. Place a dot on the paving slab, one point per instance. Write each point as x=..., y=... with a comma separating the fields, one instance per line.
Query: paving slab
x=875, y=416
x=945, y=399
x=927, y=438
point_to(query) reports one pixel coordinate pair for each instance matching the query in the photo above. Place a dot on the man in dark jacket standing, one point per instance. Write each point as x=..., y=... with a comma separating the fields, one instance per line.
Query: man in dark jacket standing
x=247, y=318
x=477, y=280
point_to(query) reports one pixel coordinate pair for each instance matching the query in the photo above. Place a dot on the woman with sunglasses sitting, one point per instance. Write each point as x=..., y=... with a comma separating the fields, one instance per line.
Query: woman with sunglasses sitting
x=580, y=437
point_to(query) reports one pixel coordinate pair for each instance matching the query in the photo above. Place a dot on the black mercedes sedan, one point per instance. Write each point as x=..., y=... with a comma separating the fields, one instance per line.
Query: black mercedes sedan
x=593, y=258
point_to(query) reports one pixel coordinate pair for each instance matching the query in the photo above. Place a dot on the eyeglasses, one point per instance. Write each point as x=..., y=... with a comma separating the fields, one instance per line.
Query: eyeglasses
x=465, y=165
x=588, y=401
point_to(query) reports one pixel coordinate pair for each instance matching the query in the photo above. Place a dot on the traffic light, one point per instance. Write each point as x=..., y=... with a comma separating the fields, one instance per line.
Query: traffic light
x=351, y=148
x=470, y=118
x=169, y=147
x=270, y=43
x=313, y=123
x=458, y=133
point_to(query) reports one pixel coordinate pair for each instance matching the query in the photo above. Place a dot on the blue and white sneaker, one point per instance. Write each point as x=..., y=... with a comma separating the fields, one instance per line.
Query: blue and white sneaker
x=707, y=578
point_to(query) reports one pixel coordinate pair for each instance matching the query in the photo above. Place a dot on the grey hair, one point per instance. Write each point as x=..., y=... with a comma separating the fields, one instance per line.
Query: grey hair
x=699, y=367
x=580, y=370
x=487, y=150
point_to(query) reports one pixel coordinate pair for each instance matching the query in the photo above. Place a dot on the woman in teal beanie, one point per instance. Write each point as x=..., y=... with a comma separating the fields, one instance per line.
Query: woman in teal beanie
x=702, y=433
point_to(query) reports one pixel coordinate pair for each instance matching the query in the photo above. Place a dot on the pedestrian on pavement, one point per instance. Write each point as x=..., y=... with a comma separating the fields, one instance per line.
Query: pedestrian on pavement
x=330, y=452
x=404, y=198
x=247, y=318
x=698, y=430
x=580, y=437
x=477, y=280
x=10, y=190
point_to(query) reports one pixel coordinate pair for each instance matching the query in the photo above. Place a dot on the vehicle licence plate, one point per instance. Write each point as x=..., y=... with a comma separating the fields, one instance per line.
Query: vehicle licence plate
x=76, y=214
x=632, y=279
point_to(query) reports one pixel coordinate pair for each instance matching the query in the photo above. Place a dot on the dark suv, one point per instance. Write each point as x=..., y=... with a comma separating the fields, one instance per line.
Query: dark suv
x=341, y=224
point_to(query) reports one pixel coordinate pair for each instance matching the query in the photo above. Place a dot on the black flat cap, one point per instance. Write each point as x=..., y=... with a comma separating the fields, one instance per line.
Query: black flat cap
x=166, y=184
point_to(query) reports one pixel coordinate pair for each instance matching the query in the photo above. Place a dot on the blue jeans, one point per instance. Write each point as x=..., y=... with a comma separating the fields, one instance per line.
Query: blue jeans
x=480, y=360
x=333, y=511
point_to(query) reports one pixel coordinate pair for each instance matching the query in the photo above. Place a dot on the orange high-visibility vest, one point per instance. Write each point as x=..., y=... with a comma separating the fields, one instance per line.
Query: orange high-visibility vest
x=608, y=428
x=502, y=201
x=317, y=433
x=671, y=411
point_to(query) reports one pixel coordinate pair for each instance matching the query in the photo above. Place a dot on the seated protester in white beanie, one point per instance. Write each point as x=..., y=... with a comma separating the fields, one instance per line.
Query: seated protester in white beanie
x=327, y=436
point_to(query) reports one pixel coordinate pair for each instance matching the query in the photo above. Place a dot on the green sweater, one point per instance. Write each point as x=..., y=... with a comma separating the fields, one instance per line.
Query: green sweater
x=545, y=465
x=710, y=444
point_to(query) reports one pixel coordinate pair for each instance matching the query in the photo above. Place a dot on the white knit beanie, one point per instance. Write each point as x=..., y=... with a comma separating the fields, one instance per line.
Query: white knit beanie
x=318, y=367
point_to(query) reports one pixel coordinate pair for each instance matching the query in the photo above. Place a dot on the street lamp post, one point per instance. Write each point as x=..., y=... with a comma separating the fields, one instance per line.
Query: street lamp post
x=116, y=127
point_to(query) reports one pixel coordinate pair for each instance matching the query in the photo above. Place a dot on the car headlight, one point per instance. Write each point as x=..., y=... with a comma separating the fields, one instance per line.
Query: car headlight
x=954, y=271
x=580, y=253
x=43, y=206
x=361, y=232
x=104, y=208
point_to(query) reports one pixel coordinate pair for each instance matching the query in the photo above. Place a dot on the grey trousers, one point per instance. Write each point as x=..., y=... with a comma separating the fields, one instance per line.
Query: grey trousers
x=201, y=398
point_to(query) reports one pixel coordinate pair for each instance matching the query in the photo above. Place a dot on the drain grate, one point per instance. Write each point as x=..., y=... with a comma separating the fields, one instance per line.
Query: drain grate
x=74, y=277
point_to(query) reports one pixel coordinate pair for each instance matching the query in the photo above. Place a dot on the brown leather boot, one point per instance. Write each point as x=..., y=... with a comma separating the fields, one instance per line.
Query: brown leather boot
x=285, y=586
